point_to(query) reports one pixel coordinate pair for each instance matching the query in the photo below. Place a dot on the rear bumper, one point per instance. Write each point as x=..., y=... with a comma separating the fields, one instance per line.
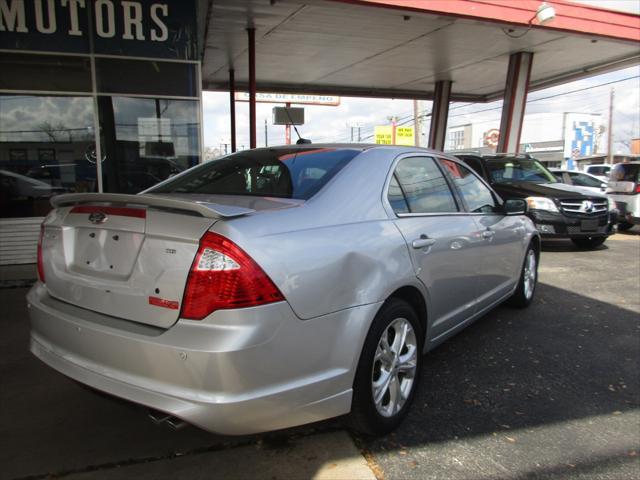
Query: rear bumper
x=557, y=225
x=237, y=372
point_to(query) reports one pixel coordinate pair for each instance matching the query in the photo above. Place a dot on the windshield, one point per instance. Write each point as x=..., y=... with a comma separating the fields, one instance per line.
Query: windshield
x=512, y=170
x=288, y=173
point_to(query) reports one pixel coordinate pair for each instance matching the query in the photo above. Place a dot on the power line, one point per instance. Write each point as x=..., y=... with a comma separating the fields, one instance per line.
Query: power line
x=533, y=100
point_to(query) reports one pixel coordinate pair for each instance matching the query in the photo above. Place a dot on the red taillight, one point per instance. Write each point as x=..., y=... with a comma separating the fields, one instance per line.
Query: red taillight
x=223, y=276
x=40, y=264
x=637, y=187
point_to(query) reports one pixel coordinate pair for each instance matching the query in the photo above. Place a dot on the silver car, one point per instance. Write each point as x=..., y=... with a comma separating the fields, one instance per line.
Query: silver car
x=277, y=286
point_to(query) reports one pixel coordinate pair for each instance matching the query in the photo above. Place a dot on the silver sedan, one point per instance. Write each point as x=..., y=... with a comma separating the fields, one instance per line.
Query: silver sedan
x=277, y=286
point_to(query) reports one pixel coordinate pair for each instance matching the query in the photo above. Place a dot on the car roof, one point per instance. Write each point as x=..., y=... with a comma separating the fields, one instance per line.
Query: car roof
x=565, y=170
x=494, y=156
x=363, y=147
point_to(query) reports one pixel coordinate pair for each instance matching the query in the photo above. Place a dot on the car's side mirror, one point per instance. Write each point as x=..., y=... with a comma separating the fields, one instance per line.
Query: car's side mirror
x=515, y=206
x=603, y=186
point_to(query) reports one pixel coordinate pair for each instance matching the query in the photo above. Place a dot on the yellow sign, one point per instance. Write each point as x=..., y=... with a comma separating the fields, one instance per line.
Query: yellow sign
x=384, y=135
x=404, y=136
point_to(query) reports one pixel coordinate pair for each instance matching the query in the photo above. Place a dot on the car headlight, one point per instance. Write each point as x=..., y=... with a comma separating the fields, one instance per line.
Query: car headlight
x=611, y=203
x=542, y=203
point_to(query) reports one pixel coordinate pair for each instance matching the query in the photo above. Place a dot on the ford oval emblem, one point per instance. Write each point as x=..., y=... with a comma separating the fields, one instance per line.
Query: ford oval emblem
x=97, y=217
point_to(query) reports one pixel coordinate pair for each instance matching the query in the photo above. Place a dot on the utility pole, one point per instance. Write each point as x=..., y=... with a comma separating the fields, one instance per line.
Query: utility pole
x=266, y=135
x=355, y=131
x=610, y=131
x=287, y=127
x=394, y=124
x=416, y=124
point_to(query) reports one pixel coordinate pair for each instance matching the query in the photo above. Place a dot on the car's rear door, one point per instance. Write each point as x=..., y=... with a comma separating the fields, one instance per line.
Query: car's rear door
x=440, y=237
x=501, y=249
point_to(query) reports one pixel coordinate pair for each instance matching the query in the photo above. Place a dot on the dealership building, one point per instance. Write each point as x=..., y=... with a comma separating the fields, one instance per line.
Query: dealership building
x=106, y=95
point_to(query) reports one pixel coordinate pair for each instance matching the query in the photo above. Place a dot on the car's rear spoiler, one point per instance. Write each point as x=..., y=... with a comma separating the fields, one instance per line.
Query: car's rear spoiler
x=204, y=209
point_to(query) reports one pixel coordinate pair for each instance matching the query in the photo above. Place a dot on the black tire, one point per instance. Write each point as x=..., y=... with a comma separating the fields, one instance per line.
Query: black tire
x=624, y=226
x=588, y=243
x=523, y=296
x=365, y=417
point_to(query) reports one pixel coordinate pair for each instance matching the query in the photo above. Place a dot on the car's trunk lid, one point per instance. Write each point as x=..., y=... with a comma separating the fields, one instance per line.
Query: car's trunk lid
x=127, y=256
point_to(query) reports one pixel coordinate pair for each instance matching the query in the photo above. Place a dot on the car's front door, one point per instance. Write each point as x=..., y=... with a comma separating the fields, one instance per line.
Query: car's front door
x=501, y=250
x=441, y=238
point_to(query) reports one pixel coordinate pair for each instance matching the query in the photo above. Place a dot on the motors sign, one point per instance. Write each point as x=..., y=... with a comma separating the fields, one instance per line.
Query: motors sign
x=163, y=29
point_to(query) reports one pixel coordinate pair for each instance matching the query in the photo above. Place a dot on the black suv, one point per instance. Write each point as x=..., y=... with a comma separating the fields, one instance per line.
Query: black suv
x=558, y=210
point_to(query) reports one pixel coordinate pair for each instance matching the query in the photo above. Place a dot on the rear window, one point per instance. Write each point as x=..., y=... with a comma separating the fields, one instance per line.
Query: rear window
x=288, y=173
x=626, y=172
x=582, y=180
x=601, y=170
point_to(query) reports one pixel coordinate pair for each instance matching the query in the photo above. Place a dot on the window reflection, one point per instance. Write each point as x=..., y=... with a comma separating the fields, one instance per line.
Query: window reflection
x=146, y=140
x=424, y=188
x=45, y=146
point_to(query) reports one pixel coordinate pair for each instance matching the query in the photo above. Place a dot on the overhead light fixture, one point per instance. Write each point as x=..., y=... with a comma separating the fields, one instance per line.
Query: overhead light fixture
x=544, y=14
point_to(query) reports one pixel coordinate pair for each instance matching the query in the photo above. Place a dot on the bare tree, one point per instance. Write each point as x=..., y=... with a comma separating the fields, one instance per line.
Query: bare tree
x=55, y=132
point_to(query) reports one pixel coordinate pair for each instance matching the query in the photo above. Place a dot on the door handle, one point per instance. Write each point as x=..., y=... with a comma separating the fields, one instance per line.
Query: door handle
x=423, y=242
x=488, y=234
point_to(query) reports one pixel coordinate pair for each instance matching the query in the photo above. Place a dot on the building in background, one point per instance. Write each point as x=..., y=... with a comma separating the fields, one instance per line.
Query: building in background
x=556, y=139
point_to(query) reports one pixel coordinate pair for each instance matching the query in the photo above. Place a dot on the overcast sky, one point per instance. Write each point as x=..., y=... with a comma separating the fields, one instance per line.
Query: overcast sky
x=331, y=124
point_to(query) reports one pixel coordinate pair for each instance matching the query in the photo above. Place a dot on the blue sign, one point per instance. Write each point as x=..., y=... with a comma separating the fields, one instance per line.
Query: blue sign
x=143, y=28
x=583, y=141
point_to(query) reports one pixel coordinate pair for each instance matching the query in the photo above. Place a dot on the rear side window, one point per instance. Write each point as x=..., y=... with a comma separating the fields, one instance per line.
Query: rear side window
x=288, y=173
x=418, y=186
x=475, y=163
x=626, y=172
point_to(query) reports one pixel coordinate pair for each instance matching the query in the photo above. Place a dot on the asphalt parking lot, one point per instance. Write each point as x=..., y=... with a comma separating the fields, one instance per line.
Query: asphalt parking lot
x=548, y=392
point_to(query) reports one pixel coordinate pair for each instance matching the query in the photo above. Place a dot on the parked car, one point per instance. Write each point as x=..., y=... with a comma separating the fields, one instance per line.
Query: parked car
x=277, y=286
x=624, y=188
x=580, y=179
x=558, y=210
x=600, y=170
x=21, y=186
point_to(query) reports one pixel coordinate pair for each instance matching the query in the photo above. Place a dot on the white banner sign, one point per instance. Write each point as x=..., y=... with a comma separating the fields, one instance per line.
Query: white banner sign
x=301, y=99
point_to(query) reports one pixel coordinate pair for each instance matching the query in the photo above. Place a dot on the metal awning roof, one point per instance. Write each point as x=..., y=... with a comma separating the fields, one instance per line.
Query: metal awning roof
x=400, y=48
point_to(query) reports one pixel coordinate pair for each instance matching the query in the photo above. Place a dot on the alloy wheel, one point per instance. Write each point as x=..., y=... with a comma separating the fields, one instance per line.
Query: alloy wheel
x=394, y=367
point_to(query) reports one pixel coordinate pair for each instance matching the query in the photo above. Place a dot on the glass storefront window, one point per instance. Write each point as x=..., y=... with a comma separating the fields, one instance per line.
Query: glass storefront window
x=45, y=147
x=148, y=77
x=146, y=140
x=46, y=73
